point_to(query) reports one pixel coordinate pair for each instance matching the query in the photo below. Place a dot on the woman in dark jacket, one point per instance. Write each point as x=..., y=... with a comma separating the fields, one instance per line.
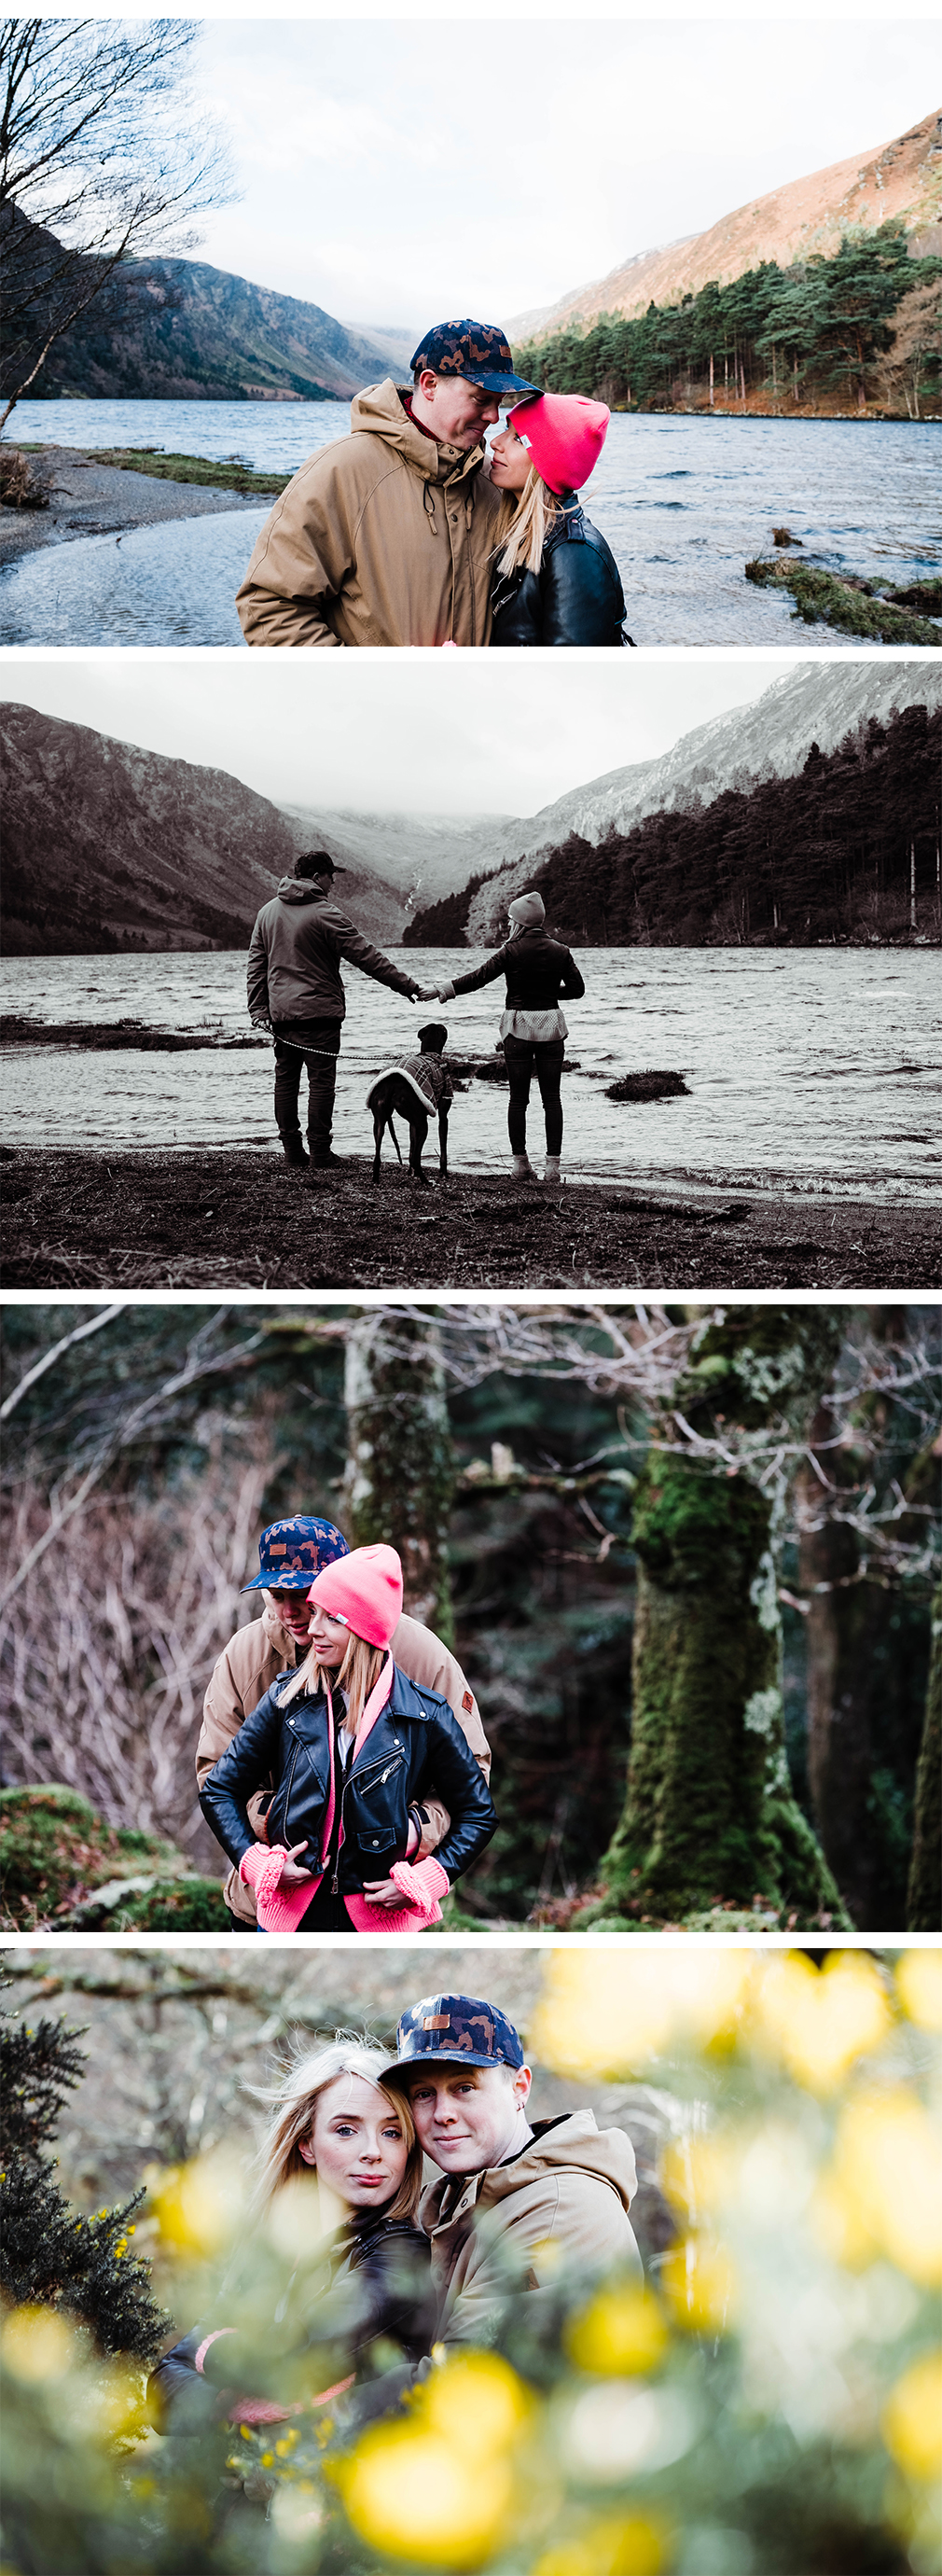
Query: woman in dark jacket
x=556, y=579
x=352, y=1747
x=340, y=2172
x=538, y=971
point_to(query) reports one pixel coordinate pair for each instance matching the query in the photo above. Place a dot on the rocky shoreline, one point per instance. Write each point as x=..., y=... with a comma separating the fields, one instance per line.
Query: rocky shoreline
x=232, y=1219
x=89, y=499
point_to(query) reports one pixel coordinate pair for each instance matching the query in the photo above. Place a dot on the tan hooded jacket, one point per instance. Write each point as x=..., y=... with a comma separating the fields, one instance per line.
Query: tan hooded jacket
x=381, y=538
x=251, y=1662
x=559, y=2208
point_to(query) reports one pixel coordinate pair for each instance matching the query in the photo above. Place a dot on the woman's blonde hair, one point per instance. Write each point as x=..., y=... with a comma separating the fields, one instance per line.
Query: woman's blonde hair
x=523, y=525
x=361, y=1668
x=294, y=2102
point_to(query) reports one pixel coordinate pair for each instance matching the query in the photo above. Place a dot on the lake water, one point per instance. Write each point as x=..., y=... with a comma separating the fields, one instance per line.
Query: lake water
x=684, y=504
x=813, y=1069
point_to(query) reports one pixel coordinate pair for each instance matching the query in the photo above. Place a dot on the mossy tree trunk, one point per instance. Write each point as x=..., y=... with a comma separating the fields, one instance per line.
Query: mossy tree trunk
x=849, y=1682
x=710, y=1814
x=400, y=1474
x=924, y=1899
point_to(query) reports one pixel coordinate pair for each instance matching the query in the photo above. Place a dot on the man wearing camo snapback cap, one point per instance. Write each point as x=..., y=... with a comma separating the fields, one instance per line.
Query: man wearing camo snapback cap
x=387, y=537
x=519, y=2205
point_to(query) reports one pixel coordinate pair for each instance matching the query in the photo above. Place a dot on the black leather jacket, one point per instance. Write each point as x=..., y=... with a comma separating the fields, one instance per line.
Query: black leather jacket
x=415, y=1745
x=539, y=972
x=575, y=598
x=372, y=2279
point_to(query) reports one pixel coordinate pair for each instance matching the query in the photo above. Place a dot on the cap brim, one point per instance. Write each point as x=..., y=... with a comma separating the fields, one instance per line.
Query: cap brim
x=504, y=385
x=283, y=1583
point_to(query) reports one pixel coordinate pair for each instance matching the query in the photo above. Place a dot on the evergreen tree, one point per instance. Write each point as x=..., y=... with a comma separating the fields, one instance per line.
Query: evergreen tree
x=51, y=2256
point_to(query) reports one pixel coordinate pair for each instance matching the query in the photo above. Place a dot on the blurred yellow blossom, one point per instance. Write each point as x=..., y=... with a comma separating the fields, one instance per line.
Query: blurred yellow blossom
x=819, y=2021
x=621, y=2331
x=605, y=2013
x=635, y=2546
x=882, y=2192
x=477, y=2397
x=412, y=2494
x=919, y=1982
x=700, y=2283
x=200, y=2206
x=912, y=2419
x=37, y=2344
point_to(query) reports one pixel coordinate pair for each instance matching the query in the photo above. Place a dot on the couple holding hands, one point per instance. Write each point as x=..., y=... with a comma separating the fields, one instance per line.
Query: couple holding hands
x=413, y=531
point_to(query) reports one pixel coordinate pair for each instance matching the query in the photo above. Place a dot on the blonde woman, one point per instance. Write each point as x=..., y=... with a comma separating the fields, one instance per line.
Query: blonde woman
x=352, y=1748
x=338, y=2172
x=556, y=579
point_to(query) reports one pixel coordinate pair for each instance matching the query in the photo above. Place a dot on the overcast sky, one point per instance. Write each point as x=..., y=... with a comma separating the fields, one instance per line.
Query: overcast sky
x=433, y=735
x=397, y=173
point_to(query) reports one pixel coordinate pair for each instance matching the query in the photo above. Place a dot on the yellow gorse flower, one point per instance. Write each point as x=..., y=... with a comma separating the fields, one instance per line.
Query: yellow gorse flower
x=912, y=2419
x=438, y=2490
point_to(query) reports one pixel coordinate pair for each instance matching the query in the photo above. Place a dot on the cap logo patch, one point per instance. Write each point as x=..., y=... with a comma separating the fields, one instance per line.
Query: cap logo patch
x=436, y=2021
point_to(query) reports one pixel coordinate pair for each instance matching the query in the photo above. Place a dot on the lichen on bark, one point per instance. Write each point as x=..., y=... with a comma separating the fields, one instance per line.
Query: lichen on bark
x=709, y=1812
x=924, y=1898
x=400, y=1474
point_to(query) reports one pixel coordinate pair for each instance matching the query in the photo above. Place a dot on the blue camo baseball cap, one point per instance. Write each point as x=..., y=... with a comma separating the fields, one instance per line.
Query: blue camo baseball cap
x=293, y=1553
x=460, y=2029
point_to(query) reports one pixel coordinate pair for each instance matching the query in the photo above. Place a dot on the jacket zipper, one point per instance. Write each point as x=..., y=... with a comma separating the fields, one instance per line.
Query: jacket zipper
x=364, y=1775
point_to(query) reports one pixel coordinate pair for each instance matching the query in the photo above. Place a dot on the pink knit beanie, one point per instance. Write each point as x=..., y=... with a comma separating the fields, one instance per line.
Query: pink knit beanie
x=565, y=434
x=364, y=1590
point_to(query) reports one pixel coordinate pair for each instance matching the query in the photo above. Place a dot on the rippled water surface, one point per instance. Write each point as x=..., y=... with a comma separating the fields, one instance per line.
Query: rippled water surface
x=816, y=1069
x=684, y=503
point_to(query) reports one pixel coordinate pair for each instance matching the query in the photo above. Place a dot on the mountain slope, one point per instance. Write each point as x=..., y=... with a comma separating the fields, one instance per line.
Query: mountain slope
x=178, y=329
x=901, y=178
x=107, y=846
x=422, y=856
x=770, y=738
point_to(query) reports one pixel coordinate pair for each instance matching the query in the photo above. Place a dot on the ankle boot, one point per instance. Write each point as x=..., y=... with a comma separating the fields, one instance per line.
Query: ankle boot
x=293, y=1149
x=551, y=1170
x=523, y=1168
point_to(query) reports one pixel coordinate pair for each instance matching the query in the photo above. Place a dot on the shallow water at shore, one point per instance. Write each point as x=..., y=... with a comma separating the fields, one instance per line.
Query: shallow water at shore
x=815, y=1069
x=684, y=502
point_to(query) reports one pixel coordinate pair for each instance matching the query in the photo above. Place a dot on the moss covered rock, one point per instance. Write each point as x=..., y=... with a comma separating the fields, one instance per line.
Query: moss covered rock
x=57, y=1855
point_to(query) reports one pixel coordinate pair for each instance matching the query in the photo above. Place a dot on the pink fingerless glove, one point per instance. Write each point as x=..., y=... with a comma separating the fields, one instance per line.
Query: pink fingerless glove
x=279, y=1909
x=422, y=1882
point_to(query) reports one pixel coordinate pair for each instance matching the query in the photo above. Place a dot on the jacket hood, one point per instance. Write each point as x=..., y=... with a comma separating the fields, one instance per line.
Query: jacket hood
x=379, y=409
x=301, y=890
x=575, y=2143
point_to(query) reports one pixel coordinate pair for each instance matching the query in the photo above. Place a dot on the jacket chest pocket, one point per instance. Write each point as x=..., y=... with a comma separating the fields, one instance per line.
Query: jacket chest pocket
x=377, y=1807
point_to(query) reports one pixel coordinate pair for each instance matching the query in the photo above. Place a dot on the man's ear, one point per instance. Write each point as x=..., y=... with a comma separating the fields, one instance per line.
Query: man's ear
x=306, y=2150
x=523, y=2078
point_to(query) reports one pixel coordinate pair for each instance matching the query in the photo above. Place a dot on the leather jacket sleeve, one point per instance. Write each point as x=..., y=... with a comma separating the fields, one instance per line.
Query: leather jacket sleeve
x=579, y=604
x=461, y=1783
x=246, y=1765
x=572, y=987
x=479, y=975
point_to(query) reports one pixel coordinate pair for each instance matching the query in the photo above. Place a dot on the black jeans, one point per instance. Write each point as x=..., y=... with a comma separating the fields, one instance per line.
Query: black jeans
x=236, y=1924
x=522, y=1059
x=314, y=1048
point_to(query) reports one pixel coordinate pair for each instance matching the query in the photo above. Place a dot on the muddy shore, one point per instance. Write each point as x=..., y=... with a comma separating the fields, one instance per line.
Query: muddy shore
x=87, y=499
x=243, y=1220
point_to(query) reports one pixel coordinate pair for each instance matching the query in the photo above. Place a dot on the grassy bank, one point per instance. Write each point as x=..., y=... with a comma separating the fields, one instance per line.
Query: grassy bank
x=227, y=475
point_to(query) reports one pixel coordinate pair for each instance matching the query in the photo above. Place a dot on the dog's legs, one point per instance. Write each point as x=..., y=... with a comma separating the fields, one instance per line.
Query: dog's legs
x=443, y=1141
x=418, y=1131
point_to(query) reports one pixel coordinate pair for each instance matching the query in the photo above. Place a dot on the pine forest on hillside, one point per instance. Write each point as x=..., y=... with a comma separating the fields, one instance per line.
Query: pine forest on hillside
x=848, y=851
x=838, y=333
x=686, y=1556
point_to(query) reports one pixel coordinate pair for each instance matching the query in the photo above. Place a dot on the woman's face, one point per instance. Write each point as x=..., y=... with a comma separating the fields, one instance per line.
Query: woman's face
x=357, y=2142
x=510, y=461
x=328, y=1637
